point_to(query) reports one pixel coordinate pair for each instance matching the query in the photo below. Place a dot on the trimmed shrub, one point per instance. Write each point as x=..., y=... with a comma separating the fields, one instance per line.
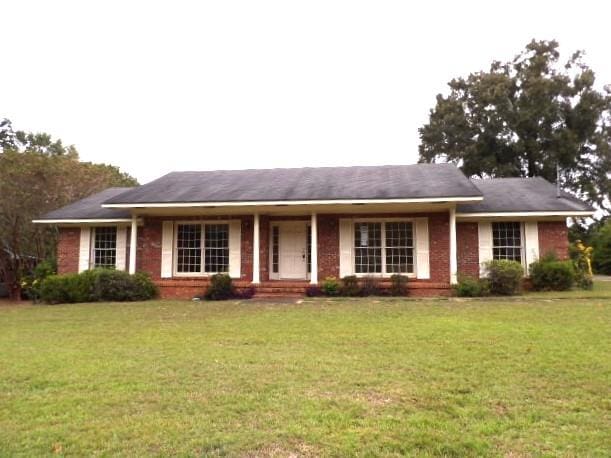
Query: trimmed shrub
x=330, y=286
x=221, y=288
x=549, y=274
x=350, y=286
x=371, y=286
x=504, y=277
x=398, y=285
x=472, y=287
x=97, y=285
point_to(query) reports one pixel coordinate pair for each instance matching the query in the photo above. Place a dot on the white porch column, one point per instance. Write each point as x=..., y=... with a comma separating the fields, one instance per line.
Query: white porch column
x=314, y=250
x=255, y=248
x=133, y=240
x=453, y=252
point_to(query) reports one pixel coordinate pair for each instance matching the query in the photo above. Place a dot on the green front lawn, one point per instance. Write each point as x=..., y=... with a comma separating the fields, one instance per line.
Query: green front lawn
x=324, y=377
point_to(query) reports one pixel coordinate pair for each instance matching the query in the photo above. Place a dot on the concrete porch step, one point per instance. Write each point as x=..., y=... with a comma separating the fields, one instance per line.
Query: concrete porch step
x=280, y=289
x=278, y=295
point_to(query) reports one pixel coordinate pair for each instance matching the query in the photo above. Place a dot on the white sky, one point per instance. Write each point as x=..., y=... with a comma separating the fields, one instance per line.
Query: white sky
x=160, y=86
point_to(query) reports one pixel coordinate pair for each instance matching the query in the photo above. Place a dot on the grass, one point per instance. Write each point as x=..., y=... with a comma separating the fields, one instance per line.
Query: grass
x=602, y=289
x=339, y=377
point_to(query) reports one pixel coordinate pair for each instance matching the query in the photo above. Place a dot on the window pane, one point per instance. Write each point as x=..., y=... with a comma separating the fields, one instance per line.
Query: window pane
x=507, y=241
x=368, y=247
x=399, y=247
x=217, y=248
x=105, y=247
x=189, y=248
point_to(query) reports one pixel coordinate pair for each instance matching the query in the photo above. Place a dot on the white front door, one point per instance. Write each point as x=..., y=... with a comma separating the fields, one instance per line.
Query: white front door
x=292, y=250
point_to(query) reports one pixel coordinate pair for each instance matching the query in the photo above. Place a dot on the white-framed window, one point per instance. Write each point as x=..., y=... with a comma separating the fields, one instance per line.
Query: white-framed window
x=104, y=247
x=384, y=247
x=507, y=241
x=201, y=248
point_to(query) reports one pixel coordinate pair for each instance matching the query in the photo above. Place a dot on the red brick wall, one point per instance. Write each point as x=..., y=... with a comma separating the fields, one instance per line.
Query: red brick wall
x=439, y=246
x=148, y=255
x=328, y=246
x=467, y=249
x=68, y=249
x=554, y=237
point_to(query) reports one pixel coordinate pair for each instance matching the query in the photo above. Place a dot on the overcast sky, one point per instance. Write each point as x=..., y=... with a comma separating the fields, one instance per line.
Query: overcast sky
x=159, y=86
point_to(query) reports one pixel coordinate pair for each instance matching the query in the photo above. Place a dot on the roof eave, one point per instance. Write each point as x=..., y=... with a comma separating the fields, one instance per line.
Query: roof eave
x=81, y=220
x=291, y=202
x=567, y=214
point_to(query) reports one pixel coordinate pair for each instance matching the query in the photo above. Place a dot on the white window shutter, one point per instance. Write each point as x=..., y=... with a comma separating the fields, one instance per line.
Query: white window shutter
x=235, y=248
x=484, y=234
x=531, y=242
x=84, y=249
x=346, y=234
x=121, y=254
x=167, y=248
x=423, y=269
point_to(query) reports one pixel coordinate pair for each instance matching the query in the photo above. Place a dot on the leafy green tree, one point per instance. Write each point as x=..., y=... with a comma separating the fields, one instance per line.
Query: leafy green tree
x=522, y=118
x=601, y=243
x=39, y=174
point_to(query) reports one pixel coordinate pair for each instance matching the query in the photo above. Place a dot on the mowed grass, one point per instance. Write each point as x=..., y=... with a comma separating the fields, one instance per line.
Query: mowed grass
x=324, y=377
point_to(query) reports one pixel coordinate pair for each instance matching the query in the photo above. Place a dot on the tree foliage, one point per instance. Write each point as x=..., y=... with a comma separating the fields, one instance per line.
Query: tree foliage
x=37, y=175
x=522, y=118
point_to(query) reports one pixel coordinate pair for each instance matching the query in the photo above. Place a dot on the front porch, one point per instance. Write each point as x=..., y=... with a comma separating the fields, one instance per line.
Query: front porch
x=283, y=254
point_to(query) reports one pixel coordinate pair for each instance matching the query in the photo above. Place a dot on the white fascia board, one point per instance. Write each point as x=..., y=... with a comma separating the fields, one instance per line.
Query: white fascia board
x=292, y=202
x=81, y=221
x=524, y=214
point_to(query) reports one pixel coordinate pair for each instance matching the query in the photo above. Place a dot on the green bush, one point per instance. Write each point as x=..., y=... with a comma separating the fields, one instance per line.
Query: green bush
x=549, y=274
x=97, y=285
x=472, y=287
x=370, y=286
x=330, y=286
x=350, y=286
x=504, y=277
x=119, y=286
x=583, y=280
x=221, y=288
x=31, y=284
x=398, y=285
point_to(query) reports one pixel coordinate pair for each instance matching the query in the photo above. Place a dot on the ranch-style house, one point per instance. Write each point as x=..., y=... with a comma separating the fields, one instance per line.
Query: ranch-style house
x=282, y=230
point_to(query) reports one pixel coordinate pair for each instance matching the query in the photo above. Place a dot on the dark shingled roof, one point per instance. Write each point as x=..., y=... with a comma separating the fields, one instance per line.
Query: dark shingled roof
x=505, y=195
x=91, y=208
x=321, y=183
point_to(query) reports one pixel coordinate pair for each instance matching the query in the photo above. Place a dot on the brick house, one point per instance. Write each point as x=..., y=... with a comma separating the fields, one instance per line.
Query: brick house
x=281, y=230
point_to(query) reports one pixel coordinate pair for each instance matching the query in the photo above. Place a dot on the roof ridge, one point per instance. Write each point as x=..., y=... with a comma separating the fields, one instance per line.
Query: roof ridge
x=312, y=168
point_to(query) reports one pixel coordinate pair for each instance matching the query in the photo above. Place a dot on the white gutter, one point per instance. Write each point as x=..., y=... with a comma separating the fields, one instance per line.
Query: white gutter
x=81, y=221
x=292, y=202
x=521, y=214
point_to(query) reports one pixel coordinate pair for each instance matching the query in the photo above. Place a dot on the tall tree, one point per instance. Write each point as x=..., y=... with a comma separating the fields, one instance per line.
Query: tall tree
x=39, y=174
x=523, y=118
